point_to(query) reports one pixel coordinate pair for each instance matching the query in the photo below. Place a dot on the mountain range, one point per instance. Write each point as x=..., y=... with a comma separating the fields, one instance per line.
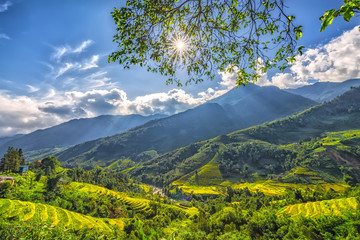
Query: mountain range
x=105, y=139
x=75, y=131
x=325, y=91
x=237, y=109
x=270, y=150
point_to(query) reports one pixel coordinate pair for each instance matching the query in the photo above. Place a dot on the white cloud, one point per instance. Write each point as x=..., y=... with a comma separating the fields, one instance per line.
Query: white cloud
x=5, y=6
x=60, y=51
x=64, y=50
x=66, y=67
x=20, y=114
x=210, y=93
x=83, y=46
x=228, y=79
x=99, y=79
x=92, y=63
x=174, y=101
x=115, y=101
x=287, y=80
x=98, y=102
x=4, y=36
x=336, y=61
x=70, y=64
x=32, y=89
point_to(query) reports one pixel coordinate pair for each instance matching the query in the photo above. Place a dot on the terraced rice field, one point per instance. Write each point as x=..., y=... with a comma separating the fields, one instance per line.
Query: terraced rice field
x=203, y=190
x=272, y=188
x=15, y=210
x=210, y=175
x=321, y=208
x=138, y=204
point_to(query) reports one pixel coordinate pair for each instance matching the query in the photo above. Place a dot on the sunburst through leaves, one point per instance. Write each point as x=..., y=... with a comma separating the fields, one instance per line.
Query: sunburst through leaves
x=179, y=47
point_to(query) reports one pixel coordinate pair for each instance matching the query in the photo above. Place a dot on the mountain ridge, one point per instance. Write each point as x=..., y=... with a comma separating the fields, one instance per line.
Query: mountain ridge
x=325, y=91
x=203, y=122
x=266, y=149
x=76, y=131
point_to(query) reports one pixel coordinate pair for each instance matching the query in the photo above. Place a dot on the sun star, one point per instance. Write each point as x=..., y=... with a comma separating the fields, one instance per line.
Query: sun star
x=180, y=45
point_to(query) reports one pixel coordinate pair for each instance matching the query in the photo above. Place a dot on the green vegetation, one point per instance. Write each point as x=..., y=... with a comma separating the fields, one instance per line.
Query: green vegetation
x=16, y=210
x=12, y=160
x=347, y=11
x=256, y=183
x=331, y=207
x=280, y=150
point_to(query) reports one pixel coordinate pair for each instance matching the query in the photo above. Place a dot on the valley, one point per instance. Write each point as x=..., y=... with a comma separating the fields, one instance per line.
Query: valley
x=245, y=184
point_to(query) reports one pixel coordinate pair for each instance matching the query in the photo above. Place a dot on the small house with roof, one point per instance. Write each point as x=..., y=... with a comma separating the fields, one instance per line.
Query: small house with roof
x=23, y=168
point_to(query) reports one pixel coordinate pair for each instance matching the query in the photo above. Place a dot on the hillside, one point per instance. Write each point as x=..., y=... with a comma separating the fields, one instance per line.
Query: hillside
x=268, y=150
x=325, y=91
x=75, y=131
x=237, y=109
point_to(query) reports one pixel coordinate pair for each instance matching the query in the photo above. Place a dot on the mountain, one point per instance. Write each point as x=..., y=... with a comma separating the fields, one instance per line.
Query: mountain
x=239, y=108
x=75, y=131
x=325, y=91
x=252, y=105
x=4, y=140
x=285, y=148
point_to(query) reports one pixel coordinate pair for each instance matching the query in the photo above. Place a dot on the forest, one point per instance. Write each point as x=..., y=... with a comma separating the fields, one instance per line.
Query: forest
x=301, y=203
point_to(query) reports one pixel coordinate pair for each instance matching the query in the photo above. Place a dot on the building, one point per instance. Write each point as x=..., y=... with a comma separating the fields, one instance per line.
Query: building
x=23, y=168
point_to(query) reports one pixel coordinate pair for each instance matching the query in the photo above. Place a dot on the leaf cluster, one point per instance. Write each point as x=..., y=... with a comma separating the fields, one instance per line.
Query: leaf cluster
x=347, y=10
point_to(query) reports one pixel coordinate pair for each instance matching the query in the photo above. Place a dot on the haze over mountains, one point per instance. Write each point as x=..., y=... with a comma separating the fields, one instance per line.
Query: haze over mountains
x=325, y=91
x=75, y=131
x=237, y=109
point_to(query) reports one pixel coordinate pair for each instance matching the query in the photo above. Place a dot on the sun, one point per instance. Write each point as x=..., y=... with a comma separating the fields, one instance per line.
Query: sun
x=180, y=45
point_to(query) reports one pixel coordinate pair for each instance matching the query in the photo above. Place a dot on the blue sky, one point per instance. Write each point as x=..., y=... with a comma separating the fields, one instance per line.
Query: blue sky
x=53, y=64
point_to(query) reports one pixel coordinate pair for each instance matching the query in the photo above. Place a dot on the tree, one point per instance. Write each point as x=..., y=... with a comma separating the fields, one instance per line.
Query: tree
x=49, y=164
x=5, y=187
x=203, y=37
x=11, y=160
x=21, y=157
x=52, y=183
x=347, y=10
x=196, y=177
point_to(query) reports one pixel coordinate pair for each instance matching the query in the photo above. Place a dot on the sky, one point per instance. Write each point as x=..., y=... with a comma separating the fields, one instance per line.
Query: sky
x=53, y=64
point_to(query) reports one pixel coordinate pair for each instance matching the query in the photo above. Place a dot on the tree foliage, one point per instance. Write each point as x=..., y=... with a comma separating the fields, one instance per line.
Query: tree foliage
x=202, y=38
x=347, y=10
x=12, y=160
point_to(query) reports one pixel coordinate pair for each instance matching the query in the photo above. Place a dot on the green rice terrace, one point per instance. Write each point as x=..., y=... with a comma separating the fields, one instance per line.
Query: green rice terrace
x=138, y=204
x=22, y=211
x=331, y=207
